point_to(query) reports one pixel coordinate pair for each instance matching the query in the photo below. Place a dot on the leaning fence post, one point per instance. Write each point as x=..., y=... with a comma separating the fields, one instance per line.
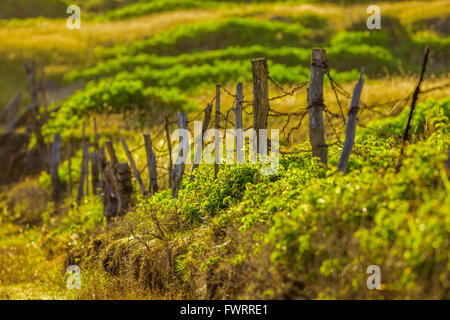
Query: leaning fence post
x=83, y=166
x=54, y=165
x=133, y=166
x=118, y=176
x=97, y=150
x=69, y=169
x=151, y=164
x=112, y=153
x=10, y=111
x=217, y=141
x=36, y=125
x=414, y=99
x=199, y=140
x=83, y=173
x=351, y=124
x=169, y=146
x=316, y=105
x=109, y=187
x=240, y=156
x=87, y=172
x=178, y=169
x=125, y=191
x=447, y=162
x=94, y=172
x=260, y=96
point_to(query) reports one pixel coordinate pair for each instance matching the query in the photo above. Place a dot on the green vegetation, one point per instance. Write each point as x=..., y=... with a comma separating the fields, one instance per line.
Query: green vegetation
x=115, y=97
x=305, y=232
x=346, y=57
x=219, y=35
x=313, y=230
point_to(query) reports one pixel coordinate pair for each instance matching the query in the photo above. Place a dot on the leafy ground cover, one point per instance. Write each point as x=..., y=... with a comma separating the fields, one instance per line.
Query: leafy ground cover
x=306, y=232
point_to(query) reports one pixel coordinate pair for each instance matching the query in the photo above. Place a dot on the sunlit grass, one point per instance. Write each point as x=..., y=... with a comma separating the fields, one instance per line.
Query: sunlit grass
x=26, y=271
x=52, y=39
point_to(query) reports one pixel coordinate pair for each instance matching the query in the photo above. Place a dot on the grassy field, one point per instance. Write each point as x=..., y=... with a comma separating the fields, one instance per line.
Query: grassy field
x=307, y=232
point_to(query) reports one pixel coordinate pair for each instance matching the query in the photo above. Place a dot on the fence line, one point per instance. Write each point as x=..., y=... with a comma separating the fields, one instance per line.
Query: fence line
x=114, y=177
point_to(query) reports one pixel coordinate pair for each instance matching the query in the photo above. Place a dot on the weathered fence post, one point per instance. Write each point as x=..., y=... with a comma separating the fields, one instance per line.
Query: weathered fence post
x=83, y=166
x=217, y=140
x=87, y=170
x=95, y=180
x=169, y=146
x=42, y=87
x=30, y=71
x=69, y=169
x=261, y=105
x=316, y=105
x=411, y=111
x=178, y=169
x=240, y=155
x=10, y=111
x=151, y=165
x=110, y=198
x=54, y=165
x=199, y=140
x=351, y=124
x=447, y=162
x=133, y=166
x=112, y=153
x=123, y=176
x=97, y=150
x=118, y=187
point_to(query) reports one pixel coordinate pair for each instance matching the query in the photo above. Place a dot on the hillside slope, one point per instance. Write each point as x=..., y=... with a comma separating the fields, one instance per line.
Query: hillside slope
x=307, y=232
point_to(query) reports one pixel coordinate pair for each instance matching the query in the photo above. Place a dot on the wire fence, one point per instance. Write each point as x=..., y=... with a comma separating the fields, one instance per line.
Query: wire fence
x=288, y=122
x=335, y=121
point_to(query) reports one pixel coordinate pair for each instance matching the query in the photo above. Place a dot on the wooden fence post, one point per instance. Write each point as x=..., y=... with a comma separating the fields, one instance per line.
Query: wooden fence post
x=178, y=169
x=123, y=176
x=118, y=187
x=110, y=188
x=30, y=71
x=87, y=170
x=112, y=153
x=217, y=140
x=97, y=150
x=447, y=162
x=95, y=179
x=5, y=110
x=84, y=173
x=351, y=124
x=83, y=166
x=69, y=169
x=240, y=155
x=169, y=146
x=199, y=140
x=260, y=96
x=151, y=165
x=414, y=99
x=316, y=105
x=54, y=165
x=133, y=166
x=42, y=87
x=10, y=111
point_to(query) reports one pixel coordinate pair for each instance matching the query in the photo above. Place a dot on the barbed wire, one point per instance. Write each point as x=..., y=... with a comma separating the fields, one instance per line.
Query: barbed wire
x=338, y=91
x=286, y=93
